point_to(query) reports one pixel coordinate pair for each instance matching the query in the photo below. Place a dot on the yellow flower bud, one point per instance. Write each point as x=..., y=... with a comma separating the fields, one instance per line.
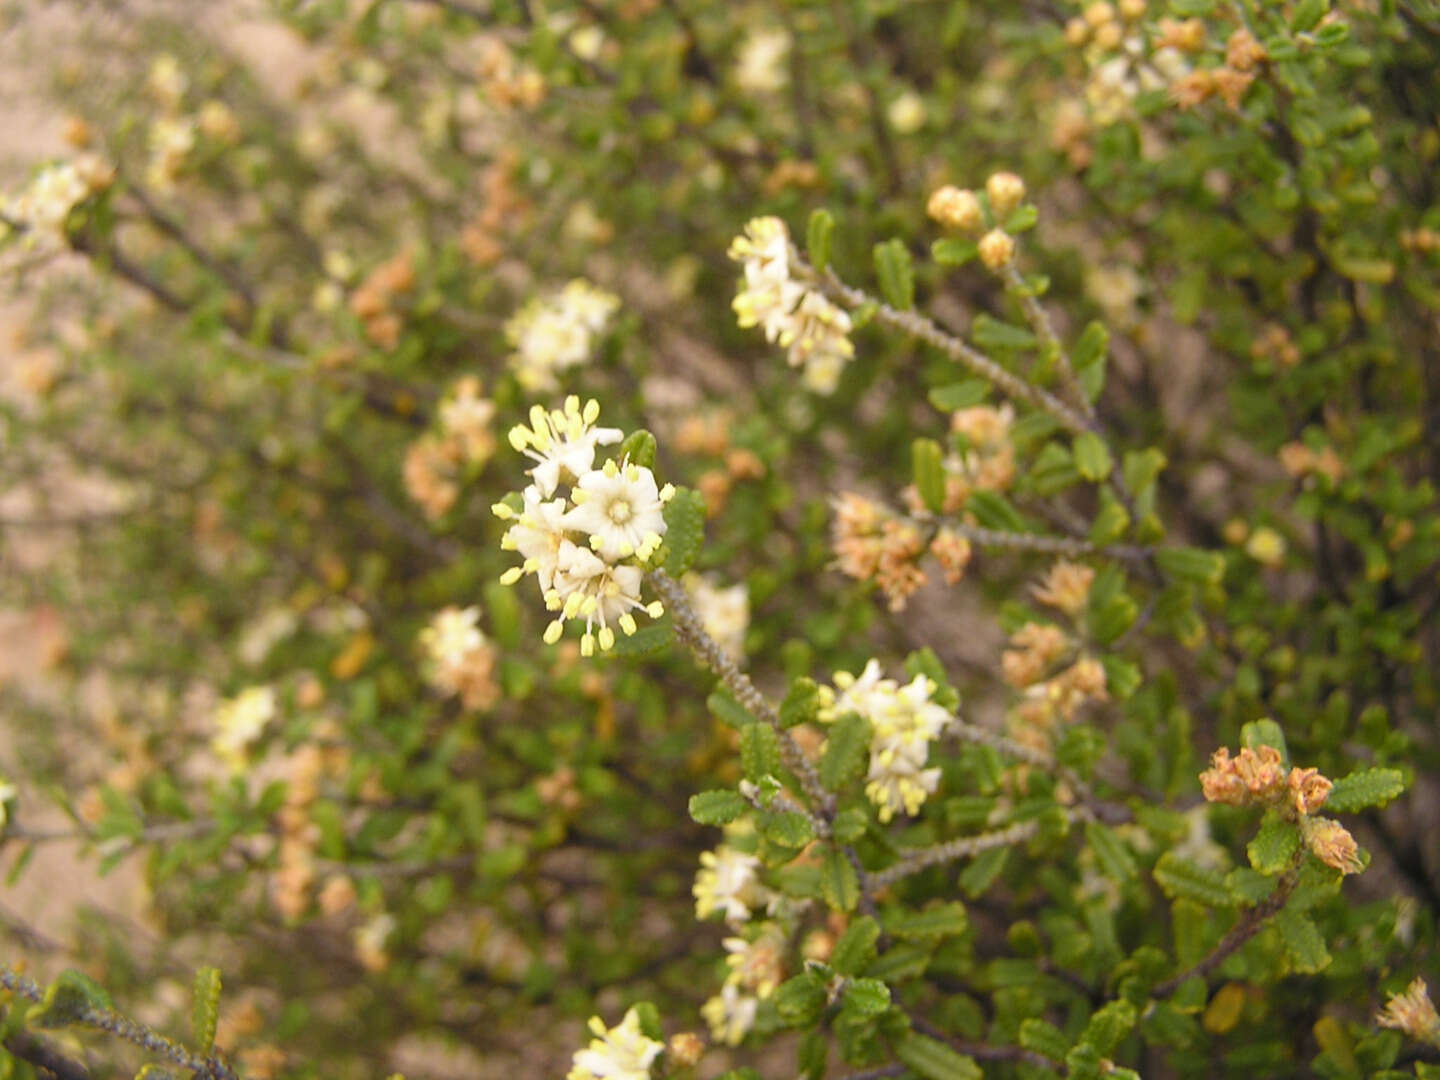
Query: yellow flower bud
x=955, y=208
x=1006, y=191
x=997, y=249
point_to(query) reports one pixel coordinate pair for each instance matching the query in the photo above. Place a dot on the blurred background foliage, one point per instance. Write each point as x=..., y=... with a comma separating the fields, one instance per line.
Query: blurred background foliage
x=323, y=215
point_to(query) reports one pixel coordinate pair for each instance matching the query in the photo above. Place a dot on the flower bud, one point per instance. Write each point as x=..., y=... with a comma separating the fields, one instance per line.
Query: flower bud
x=686, y=1049
x=997, y=249
x=1077, y=32
x=1099, y=13
x=1109, y=36
x=955, y=208
x=1006, y=191
x=1132, y=10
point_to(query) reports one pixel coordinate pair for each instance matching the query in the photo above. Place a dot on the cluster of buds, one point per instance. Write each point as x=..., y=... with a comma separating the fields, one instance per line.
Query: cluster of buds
x=1300, y=461
x=1423, y=240
x=434, y=462
x=1104, y=25
x=462, y=661
x=708, y=434
x=374, y=301
x=873, y=544
x=557, y=332
x=501, y=206
x=1274, y=343
x=1229, y=81
x=1258, y=777
x=174, y=133
x=507, y=82
x=293, y=879
x=965, y=211
x=904, y=721
x=1052, y=697
x=616, y=512
x=799, y=319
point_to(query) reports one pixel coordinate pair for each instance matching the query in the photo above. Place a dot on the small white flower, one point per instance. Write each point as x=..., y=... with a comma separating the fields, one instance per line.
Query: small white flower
x=621, y=509
x=727, y=883
x=453, y=634
x=760, y=64
x=557, y=332
x=562, y=442
x=587, y=586
x=895, y=782
x=731, y=1015
x=623, y=1052
x=537, y=534
x=240, y=721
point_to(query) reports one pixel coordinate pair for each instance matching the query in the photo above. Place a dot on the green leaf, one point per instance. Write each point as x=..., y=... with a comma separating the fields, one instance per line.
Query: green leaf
x=1053, y=470
x=759, y=751
x=839, y=884
x=991, y=333
x=811, y=1055
x=1274, y=845
x=959, y=395
x=865, y=998
x=787, y=829
x=953, y=251
x=1303, y=943
x=817, y=238
x=800, y=1000
x=896, y=274
x=847, y=750
x=1141, y=468
x=940, y=921
x=980, y=873
x=925, y=662
x=1191, y=564
x=1364, y=789
x=1265, y=732
x=684, y=530
x=801, y=704
x=1111, y=854
x=1111, y=520
x=1021, y=219
x=1122, y=677
x=1307, y=15
x=1177, y=876
x=72, y=997
x=725, y=708
x=1108, y=1026
x=649, y=1017
x=205, y=1009
x=1041, y=1037
x=929, y=473
x=647, y=641
x=639, y=448
x=1090, y=346
x=934, y=1060
x=1092, y=456
x=717, y=807
x=855, y=951
x=993, y=511
x=850, y=824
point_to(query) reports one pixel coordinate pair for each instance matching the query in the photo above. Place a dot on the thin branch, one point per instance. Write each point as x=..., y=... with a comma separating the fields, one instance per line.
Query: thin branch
x=210, y=1068
x=691, y=632
x=964, y=847
x=917, y=325
x=1057, y=545
x=1039, y=320
x=1247, y=927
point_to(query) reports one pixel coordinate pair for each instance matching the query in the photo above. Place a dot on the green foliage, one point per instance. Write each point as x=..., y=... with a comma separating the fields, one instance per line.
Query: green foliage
x=204, y=1009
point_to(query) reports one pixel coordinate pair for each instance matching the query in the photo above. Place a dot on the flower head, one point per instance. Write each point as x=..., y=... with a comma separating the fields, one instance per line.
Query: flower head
x=562, y=442
x=1412, y=1012
x=239, y=723
x=621, y=508
x=727, y=883
x=623, y=1052
x=557, y=332
x=731, y=1015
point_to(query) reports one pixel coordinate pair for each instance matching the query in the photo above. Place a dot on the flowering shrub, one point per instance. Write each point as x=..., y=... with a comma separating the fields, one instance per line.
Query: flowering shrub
x=1103, y=447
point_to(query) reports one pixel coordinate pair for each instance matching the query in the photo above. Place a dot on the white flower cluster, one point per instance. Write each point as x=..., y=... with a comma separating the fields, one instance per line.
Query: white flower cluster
x=43, y=207
x=557, y=332
x=239, y=722
x=903, y=722
x=462, y=662
x=623, y=1052
x=797, y=318
x=616, y=511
